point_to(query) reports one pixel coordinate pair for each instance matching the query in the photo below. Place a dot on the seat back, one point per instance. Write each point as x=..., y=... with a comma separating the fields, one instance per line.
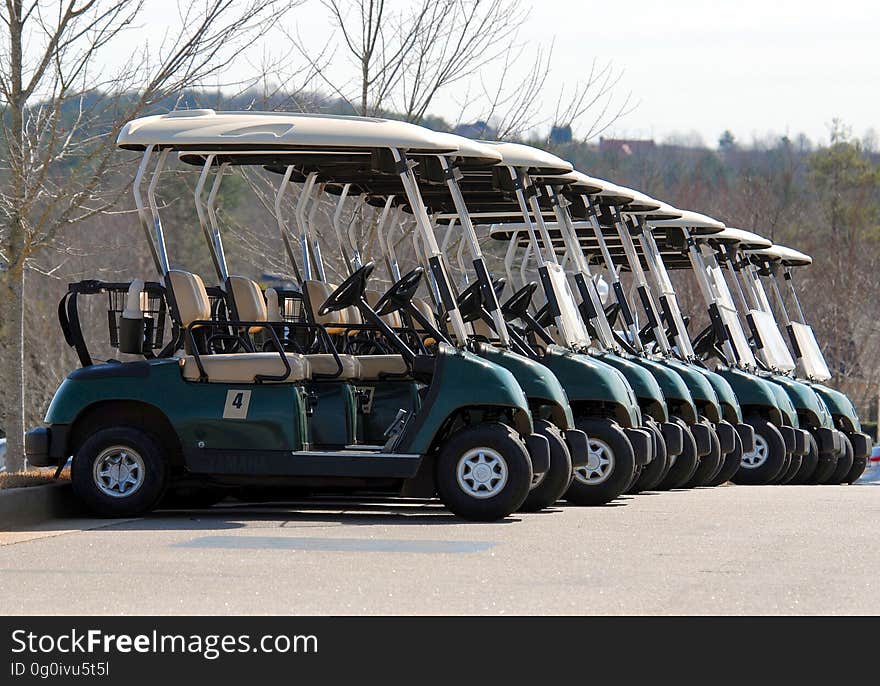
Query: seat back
x=189, y=296
x=248, y=299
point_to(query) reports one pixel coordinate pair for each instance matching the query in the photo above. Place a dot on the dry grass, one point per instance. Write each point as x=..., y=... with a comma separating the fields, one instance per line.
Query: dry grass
x=32, y=477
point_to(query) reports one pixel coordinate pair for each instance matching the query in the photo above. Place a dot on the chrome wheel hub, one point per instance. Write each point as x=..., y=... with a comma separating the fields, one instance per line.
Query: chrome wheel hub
x=482, y=473
x=600, y=463
x=757, y=457
x=118, y=471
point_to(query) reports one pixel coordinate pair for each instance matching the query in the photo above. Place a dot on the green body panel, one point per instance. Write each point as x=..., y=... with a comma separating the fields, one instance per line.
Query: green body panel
x=757, y=394
x=463, y=380
x=701, y=390
x=645, y=385
x=588, y=380
x=840, y=407
x=729, y=404
x=194, y=409
x=538, y=383
x=387, y=397
x=333, y=424
x=806, y=401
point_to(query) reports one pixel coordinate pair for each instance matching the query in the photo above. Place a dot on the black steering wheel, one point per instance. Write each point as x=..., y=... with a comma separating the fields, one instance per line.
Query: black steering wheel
x=518, y=303
x=498, y=286
x=704, y=341
x=611, y=313
x=349, y=292
x=401, y=293
x=470, y=302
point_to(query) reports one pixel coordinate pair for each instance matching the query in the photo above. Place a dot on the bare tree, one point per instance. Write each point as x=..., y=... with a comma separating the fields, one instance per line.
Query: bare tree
x=61, y=113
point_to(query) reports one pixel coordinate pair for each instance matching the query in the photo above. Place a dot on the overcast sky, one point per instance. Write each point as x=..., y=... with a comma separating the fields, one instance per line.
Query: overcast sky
x=752, y=66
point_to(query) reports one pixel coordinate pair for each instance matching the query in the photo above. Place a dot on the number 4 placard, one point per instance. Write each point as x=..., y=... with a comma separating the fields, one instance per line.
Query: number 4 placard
x=237, y=403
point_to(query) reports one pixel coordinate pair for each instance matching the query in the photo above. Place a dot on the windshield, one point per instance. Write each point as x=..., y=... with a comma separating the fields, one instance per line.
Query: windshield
x=572, y=328
x=811, y=359
x=771, y=343
x=728, y=313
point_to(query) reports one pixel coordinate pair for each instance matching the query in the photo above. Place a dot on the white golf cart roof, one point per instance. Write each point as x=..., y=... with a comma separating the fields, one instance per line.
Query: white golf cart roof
x=788, y=256
x=700, y=223
x=207, y=129
x=746, y=240
x=533, y=160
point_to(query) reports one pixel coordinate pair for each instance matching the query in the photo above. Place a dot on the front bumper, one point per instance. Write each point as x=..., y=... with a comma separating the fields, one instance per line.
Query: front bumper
x=539, y=452
x=673, y=437
x=861, y=444
x=795, y=440
x=578, y=446
x=38, y=447
x=700, y=432
x=643, y=448
x=830, y=441
x=747, y=437
x=726, y=436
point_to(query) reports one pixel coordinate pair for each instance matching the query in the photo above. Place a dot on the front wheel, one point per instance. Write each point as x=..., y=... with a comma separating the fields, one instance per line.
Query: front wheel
x=653, y=472
x=548, y=487
x=610, y=464
x=709, y=463
x=730, y=463
x=809, y=462
x=682, y=465
x=119, y=472
x=767, y=460
x=844, y=463
x=793, y=469
x=483, y=472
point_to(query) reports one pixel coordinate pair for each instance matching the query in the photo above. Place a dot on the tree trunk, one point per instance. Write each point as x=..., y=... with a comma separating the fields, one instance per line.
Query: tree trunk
x=12, y=366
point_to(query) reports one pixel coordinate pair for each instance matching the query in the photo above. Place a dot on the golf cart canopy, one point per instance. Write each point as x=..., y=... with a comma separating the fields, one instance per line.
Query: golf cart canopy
x=787, y=256
x=694, y=221
x=210, y=130
x=744, y=240
x=531, y=160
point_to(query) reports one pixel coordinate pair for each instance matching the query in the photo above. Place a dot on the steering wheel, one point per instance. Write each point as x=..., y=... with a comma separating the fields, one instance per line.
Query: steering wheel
x=704, y=341
x=518, y=304
x=349, y=292
x=543, y=316
x=498, y=286
x=470, y=302
x=611, y=313
x=400, y=294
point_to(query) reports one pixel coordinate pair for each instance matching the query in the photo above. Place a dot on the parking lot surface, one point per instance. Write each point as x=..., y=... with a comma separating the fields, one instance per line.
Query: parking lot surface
x=733, y=549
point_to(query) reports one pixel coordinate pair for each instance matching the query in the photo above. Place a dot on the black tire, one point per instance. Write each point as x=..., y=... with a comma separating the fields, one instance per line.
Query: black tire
x=858, y=468
x=510, y=457
x=809, y=462
x=708, y=464
x=137, y=457
x=793, y=468
x=786, y=466
x=824, y=470
x=655, y=470
x=595, y=484
x=730, y=463
x=844, y=463
x=768, y=460
x=683, y=465
x=554, y=482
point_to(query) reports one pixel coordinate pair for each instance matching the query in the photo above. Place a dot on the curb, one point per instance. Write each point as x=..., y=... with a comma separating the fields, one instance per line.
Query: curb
x=34, y=504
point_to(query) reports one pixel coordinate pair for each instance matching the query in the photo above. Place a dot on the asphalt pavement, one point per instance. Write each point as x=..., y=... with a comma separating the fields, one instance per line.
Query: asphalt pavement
x=727, y=550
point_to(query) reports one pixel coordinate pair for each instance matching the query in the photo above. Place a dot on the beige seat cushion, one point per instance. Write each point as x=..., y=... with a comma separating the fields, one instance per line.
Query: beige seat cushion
x=317, y=293
x=325, y=363
x=425, y=308
x=248, y=299
x=189, y=295
x=244, y=367
x=374, y=366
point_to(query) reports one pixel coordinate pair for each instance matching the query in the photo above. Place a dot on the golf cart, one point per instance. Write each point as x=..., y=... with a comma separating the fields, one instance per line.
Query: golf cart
x=191, y=410
x=764, y=264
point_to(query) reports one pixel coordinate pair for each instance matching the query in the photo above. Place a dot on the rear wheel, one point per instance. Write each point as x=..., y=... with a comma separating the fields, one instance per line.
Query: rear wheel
x=844, y=463
x=119, y=471
x=763, y=464
x=858, y=468
x=610, y=464
x=730, y=463
x=682, y=465
x=483, y=472
x=653, y=471
x=548, y=487
x=809, y=462
x=708, y=464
